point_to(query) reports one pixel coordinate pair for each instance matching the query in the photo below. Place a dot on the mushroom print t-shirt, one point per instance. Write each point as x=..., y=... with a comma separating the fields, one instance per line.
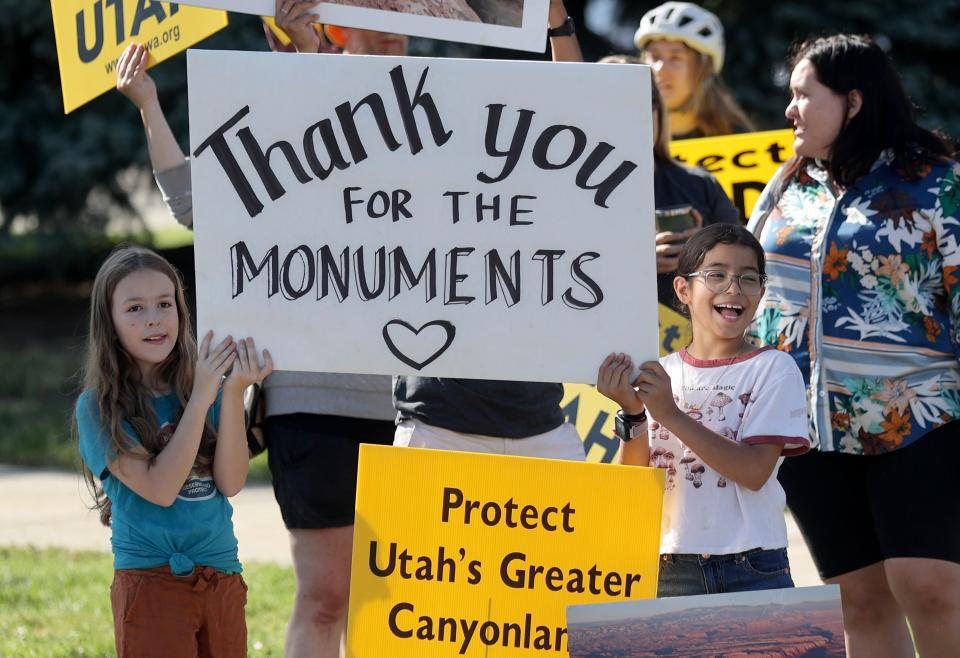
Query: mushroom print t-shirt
x=754, y=398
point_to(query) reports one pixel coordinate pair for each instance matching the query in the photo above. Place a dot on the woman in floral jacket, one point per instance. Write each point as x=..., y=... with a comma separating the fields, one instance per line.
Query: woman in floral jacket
x=861, y=231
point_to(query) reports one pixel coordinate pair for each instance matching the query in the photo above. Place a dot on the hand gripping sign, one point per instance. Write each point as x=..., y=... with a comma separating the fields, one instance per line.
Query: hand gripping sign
x=593, y=414
x=447, y=218
x=461, y=554
x=91, y=34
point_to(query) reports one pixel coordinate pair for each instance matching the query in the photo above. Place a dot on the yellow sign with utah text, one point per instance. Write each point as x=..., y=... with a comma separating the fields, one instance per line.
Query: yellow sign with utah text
x=464, y=554
x=742, y=164
x=91, y=35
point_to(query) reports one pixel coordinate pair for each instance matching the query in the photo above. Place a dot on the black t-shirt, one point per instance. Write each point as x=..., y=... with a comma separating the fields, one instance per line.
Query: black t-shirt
x=677, y=185
x=510, y=410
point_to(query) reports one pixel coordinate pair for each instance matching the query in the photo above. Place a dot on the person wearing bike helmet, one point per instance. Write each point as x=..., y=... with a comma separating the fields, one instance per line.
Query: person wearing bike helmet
x=683, y=44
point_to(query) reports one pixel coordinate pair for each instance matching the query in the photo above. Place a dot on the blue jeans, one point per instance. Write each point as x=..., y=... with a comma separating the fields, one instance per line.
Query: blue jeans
x=756, y=569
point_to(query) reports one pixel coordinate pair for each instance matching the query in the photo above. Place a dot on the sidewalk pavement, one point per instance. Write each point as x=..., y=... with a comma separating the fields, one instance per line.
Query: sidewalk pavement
x=44, y=509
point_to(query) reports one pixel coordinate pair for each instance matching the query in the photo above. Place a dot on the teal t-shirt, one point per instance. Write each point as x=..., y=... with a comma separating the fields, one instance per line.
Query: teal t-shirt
x=196, y=530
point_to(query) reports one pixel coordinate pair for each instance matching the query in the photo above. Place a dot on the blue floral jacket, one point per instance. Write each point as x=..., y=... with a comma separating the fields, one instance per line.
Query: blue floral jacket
x=864, y=292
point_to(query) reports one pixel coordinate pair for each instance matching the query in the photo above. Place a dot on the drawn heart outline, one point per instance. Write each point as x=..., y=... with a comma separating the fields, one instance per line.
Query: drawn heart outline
x=448, y=328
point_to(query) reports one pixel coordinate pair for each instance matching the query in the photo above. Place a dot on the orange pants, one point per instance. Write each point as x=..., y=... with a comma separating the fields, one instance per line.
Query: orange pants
x=159, y=615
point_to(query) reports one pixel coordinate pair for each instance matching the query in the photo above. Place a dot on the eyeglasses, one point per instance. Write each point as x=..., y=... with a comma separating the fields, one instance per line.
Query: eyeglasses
x=719, y=281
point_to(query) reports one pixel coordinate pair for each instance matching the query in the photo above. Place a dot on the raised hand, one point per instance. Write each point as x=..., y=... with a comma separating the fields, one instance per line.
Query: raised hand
x=247, y=369
x=132, y=78
x=211, y=366
x=654, y=387
x=294, y=18
x=614, y=381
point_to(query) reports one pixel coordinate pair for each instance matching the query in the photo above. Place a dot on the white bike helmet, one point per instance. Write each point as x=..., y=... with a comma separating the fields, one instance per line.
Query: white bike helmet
x=683, y=21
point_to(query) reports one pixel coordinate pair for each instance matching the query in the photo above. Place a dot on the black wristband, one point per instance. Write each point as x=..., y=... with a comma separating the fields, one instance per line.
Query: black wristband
x=627, y=427
x=566, y=29
x=635, y=418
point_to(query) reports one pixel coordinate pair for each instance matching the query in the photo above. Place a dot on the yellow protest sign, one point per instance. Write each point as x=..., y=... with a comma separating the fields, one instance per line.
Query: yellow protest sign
x=463, y=554
x=592, y=413
x=741, y=163
x=91, y=34
x=675, y=332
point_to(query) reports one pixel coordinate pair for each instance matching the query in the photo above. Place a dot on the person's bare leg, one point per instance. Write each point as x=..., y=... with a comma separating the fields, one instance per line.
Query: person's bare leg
x=929, y=593
x=321, y=564
x=873, y=622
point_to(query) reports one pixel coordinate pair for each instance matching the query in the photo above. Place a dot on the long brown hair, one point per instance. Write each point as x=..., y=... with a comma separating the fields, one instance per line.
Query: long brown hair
x=113, y=380
x=716, y=111
x=661, y=145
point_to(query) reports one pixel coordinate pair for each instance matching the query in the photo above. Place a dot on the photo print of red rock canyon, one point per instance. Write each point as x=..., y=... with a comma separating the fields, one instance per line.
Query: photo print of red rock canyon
x=805, y=621
x=508, y=13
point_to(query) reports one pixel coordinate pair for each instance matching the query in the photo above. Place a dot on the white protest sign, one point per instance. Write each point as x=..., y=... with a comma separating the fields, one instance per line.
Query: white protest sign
x=519, y=24
x=258, y=7
x=440, y=217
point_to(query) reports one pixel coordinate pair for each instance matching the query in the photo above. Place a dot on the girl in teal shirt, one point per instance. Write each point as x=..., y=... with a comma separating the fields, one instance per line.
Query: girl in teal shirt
x=163, y=442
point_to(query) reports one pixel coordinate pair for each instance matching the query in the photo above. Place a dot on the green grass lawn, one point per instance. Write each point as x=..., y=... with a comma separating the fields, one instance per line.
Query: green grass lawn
x=56, y=604
x=165, y=238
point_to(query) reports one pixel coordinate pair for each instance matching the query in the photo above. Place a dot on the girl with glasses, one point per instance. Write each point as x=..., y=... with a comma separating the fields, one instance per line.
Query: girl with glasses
x=722, y=415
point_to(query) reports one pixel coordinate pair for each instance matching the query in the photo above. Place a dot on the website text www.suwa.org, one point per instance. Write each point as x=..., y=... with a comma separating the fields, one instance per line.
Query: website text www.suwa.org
x=171, y=35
